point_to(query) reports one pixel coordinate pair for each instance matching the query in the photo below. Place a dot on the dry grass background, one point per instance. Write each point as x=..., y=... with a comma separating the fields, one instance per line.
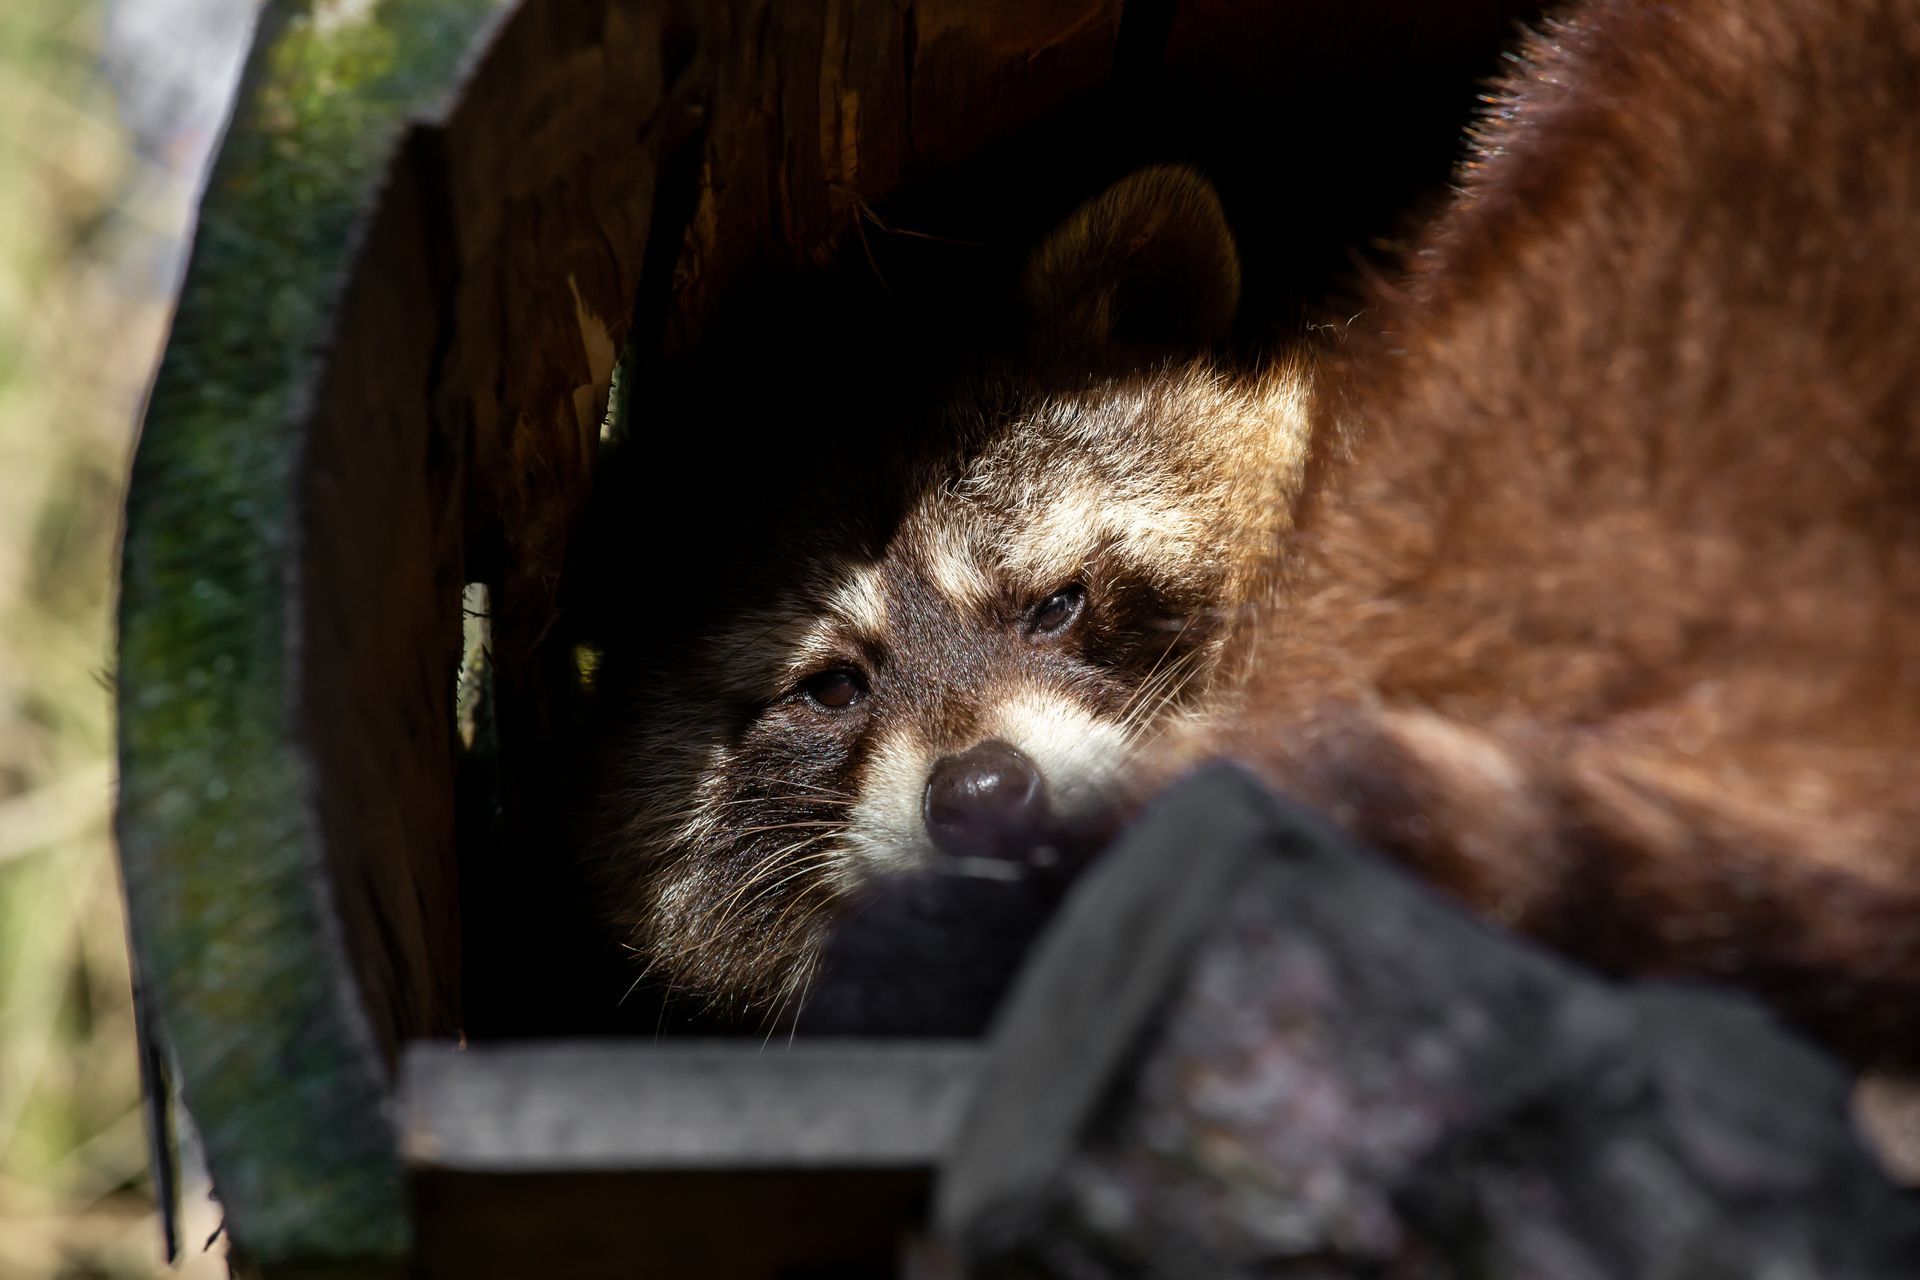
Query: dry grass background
x=91, y=213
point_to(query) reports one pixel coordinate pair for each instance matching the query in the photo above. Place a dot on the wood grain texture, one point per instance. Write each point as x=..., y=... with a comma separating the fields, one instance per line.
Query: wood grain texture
x=419, y=254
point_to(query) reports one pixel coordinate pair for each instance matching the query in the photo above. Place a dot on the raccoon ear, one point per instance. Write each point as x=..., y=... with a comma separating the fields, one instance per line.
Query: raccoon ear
x=1147, y=268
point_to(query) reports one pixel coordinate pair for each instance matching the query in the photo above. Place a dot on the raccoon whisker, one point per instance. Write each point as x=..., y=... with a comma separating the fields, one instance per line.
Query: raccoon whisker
x=1148, y=722
x=866, y=212
x=1137, y=734
x=769, y=1005
x=770, y=799
x=660, y=1022
x=1149, y=733
x=704, y=814
x=717, y=923
x=795, y=798
x=1144, y=693
x=808, y=902
x=1147, y=702
x=800, y=1004
x=634, y=986
x=795, y=788
x=794, y=989
x=762, y=884
x=792, y=998
x=1156, y=679
x=802, y=866
x=1138, y=707
x=815, y=906
x=1171, y=683
x=860, y=229
x=791, y=826
x=789, y=797
x=762, y=869
x=793, y=782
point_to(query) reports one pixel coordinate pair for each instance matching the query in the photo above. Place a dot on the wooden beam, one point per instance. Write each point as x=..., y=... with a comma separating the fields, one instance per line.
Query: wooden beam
x=569, y=1106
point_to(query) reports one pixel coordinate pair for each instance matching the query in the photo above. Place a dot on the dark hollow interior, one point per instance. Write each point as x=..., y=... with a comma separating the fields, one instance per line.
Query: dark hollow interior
x=1327, y=137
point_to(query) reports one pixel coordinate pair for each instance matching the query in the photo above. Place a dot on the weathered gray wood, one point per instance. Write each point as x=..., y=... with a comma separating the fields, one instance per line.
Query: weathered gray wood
x=1349, y=1077
x=722, y=1105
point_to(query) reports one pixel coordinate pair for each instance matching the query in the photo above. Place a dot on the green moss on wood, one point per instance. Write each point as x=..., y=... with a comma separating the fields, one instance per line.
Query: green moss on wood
x=219, y=843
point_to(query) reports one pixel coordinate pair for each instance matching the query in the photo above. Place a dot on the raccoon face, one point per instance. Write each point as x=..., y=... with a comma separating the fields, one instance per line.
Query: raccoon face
x=1046, y=604
x=960, y=689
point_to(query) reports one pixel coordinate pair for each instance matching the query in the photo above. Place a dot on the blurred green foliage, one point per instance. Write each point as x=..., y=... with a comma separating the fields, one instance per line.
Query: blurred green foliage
x=83, y=309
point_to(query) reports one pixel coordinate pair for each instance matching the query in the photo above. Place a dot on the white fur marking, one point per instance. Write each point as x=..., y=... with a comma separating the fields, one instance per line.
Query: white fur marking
x=955, y=572
x=1157, y=531
x=861, y=601
x=885, y=832
x=1078, y=754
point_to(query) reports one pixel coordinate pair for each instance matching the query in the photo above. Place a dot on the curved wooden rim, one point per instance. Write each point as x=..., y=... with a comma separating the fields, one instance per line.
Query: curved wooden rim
x=238, y=947
x=414, y=267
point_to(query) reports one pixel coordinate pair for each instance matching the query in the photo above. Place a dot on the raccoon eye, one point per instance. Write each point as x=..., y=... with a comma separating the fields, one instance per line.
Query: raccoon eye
x=1057, y=612
x=834, y=690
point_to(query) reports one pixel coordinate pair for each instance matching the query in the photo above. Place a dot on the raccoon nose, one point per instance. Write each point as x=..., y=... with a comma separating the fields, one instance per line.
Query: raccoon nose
x=985, y=802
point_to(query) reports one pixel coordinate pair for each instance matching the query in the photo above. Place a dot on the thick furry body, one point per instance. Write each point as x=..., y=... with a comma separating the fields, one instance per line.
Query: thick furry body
x=1600, y=604
x=1604, y=597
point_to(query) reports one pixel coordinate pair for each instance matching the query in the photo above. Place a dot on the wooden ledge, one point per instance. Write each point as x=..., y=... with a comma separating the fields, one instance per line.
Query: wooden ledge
x=578, y=1106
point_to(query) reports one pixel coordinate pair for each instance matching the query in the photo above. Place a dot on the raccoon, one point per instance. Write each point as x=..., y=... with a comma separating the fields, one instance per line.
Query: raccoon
x=941, y=647
x=1603, y=594
x=1588, y=586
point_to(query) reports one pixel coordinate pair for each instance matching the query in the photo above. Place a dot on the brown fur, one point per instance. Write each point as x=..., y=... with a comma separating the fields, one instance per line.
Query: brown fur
x=1605, y=593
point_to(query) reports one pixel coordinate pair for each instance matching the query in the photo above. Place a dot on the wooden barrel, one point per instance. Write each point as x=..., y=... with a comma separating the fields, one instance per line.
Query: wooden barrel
x=432, y=228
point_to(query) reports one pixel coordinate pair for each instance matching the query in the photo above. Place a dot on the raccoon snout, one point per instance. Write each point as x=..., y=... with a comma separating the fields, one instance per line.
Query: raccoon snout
x=985, y=802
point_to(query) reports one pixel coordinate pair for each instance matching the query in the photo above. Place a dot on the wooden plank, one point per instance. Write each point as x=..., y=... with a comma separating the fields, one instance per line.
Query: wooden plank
x=232, y=914
x=1250, y=1045
x=713, y=1105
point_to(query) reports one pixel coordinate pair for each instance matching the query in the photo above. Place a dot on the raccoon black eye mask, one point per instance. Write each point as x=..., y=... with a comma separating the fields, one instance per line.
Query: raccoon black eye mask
x=839, y=688
x=1054, y=589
